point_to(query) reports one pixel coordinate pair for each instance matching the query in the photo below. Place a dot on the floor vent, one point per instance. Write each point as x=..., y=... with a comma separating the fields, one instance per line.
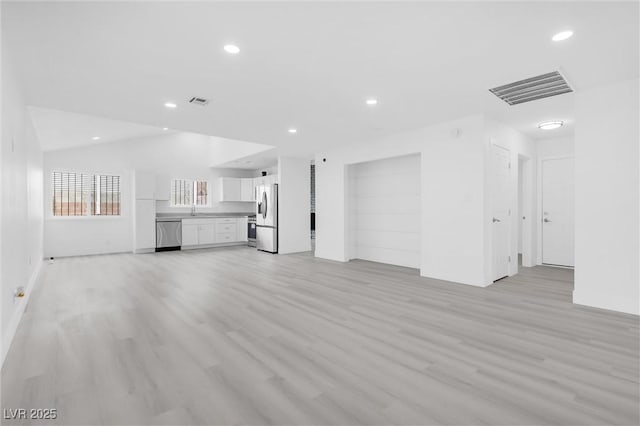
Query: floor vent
x=542, y=86
x=198, y=101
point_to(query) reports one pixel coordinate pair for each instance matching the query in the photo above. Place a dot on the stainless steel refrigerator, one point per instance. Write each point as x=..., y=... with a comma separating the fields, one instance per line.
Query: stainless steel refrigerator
x=267, y=218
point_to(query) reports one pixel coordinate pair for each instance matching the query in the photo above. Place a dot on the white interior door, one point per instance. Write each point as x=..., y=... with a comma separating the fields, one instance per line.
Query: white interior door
x=557, y=212
x=501, y=212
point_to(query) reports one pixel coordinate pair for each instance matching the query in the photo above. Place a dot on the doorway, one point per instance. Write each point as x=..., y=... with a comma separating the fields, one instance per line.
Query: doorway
x=525, y=218
x=558, y=212
x=501, y=211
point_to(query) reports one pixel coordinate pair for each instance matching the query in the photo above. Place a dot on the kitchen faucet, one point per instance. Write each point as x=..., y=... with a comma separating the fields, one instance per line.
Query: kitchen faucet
x=193, y=210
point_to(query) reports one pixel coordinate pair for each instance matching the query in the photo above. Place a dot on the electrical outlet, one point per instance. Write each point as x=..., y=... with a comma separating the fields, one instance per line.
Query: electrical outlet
x=18, y=294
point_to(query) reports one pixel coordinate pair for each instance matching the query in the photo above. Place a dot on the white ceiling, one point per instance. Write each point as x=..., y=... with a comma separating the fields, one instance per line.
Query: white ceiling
x=60, y=129
x=312, y=65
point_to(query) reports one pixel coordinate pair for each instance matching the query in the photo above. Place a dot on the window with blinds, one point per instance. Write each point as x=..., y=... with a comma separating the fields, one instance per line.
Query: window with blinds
x=71, y=193
x=79, y=194
x=106, y=196
x=188, y=193
x=202, y=194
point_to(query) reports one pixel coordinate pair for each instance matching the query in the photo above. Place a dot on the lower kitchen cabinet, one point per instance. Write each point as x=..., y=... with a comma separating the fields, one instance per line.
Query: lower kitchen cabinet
x=145, y=226
x=189, y=234
x=210, y=231
x=207, y=234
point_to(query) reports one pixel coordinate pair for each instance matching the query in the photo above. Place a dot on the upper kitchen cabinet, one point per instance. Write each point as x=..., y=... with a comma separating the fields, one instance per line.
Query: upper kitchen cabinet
x=236, y=189
x=163, y=187
x=145, y=187
x=152, y=186
x=247, y=192
x=265, y=180
x=230, y=189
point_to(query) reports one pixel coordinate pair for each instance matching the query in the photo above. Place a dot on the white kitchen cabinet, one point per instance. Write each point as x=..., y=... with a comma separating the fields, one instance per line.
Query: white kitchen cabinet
x=247, y=192
x=145, y=226
x=189, y=234
x=241, y=234
x=145, y=186
x=207, y=234
x=226, y=237
x=208, y=231
x=163, y=187
x=226, y=227
x=271, y=179
x=265, y=180
x=230, y=189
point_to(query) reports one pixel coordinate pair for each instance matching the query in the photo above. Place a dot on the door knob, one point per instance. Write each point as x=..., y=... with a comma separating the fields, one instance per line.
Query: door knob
x=495, y=220
x=546, y=220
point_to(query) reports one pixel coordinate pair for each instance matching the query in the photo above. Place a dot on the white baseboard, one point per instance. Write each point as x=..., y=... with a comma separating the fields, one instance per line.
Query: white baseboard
x=143, y=251
x=20, y=305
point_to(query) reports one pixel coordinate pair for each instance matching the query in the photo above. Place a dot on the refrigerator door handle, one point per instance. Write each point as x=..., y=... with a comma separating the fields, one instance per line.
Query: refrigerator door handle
x=264, y=204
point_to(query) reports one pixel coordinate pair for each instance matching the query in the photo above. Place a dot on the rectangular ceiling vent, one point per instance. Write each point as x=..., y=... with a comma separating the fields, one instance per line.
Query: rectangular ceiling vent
x=198, y=101
x=542, y=86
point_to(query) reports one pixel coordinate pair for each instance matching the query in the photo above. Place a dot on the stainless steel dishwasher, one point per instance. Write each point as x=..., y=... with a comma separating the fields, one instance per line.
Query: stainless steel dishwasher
x=168, y=234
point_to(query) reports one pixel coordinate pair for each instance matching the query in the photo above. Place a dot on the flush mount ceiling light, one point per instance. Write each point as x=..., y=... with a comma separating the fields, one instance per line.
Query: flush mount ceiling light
x=292, y=130
x=563, y=35
x=95, y=138
x=550, y=125
x=232, y=49
x=165, y=128
x=170, y=105
x=371, y=101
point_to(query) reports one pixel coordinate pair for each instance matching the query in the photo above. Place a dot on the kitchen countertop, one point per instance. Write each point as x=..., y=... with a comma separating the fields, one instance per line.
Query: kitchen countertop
x=164, y=217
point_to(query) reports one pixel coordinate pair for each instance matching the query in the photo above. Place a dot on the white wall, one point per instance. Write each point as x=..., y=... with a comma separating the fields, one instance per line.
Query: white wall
x=555, y=147
x=294, y=205
x=521, y=211
x=453, y=216
x=520, y=147
x=606, y=197
x=21, y=212
x=384, y=211
x=181, y=155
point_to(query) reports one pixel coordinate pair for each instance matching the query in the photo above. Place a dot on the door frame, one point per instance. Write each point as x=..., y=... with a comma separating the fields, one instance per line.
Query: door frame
x=539, y=207
x=527, y=227
x=512, y=266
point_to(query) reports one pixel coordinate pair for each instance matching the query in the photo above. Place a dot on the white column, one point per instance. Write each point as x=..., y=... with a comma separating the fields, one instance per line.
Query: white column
x=294, y=205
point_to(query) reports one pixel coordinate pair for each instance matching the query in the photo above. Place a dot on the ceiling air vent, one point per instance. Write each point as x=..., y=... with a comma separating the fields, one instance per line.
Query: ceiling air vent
x=542, y=86
x=198, y=101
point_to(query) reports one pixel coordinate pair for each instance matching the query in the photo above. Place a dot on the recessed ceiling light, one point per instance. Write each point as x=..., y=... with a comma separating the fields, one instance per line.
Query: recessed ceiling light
x=170, y=105
x=95, y=138
x=165, y=128
x=563, y=35
x=232, y=48
x=293, y=130
x=372, y=101
x=550, y=125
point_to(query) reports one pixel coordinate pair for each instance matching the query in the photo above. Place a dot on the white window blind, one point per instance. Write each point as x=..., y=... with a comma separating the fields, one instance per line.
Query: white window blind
x=202, y=193
x=79, y=194
x=181, y=193
x=188, y=193
x=71, y=193
x=106, y=192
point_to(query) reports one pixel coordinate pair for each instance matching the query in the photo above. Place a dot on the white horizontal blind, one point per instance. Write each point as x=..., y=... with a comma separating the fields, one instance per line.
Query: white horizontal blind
x=187, y=193
x=79, y=194
x=71, y=192
x=182, y=193
x=106, y=195
x=202, y=193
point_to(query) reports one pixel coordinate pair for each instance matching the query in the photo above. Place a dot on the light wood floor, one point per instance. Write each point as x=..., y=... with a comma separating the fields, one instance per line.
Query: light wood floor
x=234, y=336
